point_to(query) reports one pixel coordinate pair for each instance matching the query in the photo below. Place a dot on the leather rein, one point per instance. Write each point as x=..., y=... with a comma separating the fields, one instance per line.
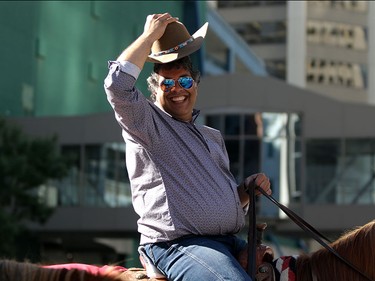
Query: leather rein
x=316, y=235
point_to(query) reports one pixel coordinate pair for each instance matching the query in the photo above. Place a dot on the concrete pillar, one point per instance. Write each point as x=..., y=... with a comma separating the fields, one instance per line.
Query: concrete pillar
x=296, y=43
x=371, y=53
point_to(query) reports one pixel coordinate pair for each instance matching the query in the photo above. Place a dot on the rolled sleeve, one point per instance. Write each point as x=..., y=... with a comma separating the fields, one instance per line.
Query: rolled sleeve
x=126, y=67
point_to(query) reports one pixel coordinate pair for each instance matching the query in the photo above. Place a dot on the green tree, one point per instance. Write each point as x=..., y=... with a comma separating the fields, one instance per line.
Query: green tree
x=25, y=164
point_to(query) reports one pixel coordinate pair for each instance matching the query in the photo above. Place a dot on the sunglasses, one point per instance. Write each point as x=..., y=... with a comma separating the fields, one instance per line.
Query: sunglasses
x=185, y=82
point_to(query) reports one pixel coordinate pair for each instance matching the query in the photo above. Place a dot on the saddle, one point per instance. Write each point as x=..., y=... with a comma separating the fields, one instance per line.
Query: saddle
x=138, y=274
x=264, y=257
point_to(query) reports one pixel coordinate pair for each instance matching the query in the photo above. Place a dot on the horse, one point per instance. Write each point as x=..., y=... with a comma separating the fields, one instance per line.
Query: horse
x=11, y=270
x=356, y=245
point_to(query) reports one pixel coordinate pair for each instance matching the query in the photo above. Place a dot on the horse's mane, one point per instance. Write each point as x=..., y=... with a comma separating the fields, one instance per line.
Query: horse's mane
x=356, y=246
x=23, y=271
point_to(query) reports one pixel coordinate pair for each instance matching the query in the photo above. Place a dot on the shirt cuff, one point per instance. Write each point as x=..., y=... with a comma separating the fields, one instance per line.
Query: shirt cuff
x=129, y=68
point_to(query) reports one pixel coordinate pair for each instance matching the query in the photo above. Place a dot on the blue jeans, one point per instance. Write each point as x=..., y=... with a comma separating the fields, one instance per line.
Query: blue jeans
x=196, y=258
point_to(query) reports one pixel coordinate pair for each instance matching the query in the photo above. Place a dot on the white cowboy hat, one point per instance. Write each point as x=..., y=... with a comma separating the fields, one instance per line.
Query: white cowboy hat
x=176, y=43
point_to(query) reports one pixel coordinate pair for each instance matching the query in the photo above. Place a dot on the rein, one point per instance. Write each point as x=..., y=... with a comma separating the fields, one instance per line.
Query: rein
x=251, y=239
x=300, y=222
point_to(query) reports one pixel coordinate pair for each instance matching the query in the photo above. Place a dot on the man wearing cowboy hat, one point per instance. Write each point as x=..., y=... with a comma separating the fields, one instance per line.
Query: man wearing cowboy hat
x=189, y=203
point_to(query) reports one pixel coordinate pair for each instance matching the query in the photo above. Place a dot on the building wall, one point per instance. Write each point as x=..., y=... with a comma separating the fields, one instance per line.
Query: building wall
x=335, y=174
x=296, y=43
x=338, y=49
x=371, y=58
x=320, y=45
x=54, y=53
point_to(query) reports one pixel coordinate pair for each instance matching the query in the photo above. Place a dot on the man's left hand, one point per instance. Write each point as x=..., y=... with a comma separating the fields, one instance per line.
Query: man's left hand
x=258, y=180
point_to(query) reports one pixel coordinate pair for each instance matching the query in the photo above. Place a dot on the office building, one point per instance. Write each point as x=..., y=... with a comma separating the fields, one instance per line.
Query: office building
x=317, y=149
x=324, y=46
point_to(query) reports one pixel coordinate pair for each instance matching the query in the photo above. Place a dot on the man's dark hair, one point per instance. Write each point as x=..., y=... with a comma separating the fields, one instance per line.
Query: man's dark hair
x=185, y=63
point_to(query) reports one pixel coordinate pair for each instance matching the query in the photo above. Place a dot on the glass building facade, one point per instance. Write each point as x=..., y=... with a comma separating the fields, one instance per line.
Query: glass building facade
x=269, y=142
x=340, y=171
x=316, y=171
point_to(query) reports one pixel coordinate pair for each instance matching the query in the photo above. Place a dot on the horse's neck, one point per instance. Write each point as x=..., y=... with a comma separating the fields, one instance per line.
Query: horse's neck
x=285, y=268
x=303, y=268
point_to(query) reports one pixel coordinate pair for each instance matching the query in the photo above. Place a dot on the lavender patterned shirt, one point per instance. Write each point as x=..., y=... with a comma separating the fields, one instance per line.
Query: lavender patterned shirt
x=179, y=171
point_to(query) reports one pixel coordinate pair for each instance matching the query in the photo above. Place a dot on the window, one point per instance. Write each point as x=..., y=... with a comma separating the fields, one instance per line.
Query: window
x=340, y=171
x=264, y=141
x=97, y=177
x=335, y=34
x=262, y=32
x=335, y=73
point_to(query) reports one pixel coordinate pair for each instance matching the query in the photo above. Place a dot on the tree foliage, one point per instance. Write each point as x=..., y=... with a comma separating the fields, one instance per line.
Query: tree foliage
x=25, y=164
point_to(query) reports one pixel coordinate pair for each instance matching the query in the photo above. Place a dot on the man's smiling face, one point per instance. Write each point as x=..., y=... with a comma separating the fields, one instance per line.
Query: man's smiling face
x=176, y=101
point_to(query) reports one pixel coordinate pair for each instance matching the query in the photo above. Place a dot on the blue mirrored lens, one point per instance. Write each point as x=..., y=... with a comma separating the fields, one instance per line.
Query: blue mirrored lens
x=168, y=83
x=185, y=82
